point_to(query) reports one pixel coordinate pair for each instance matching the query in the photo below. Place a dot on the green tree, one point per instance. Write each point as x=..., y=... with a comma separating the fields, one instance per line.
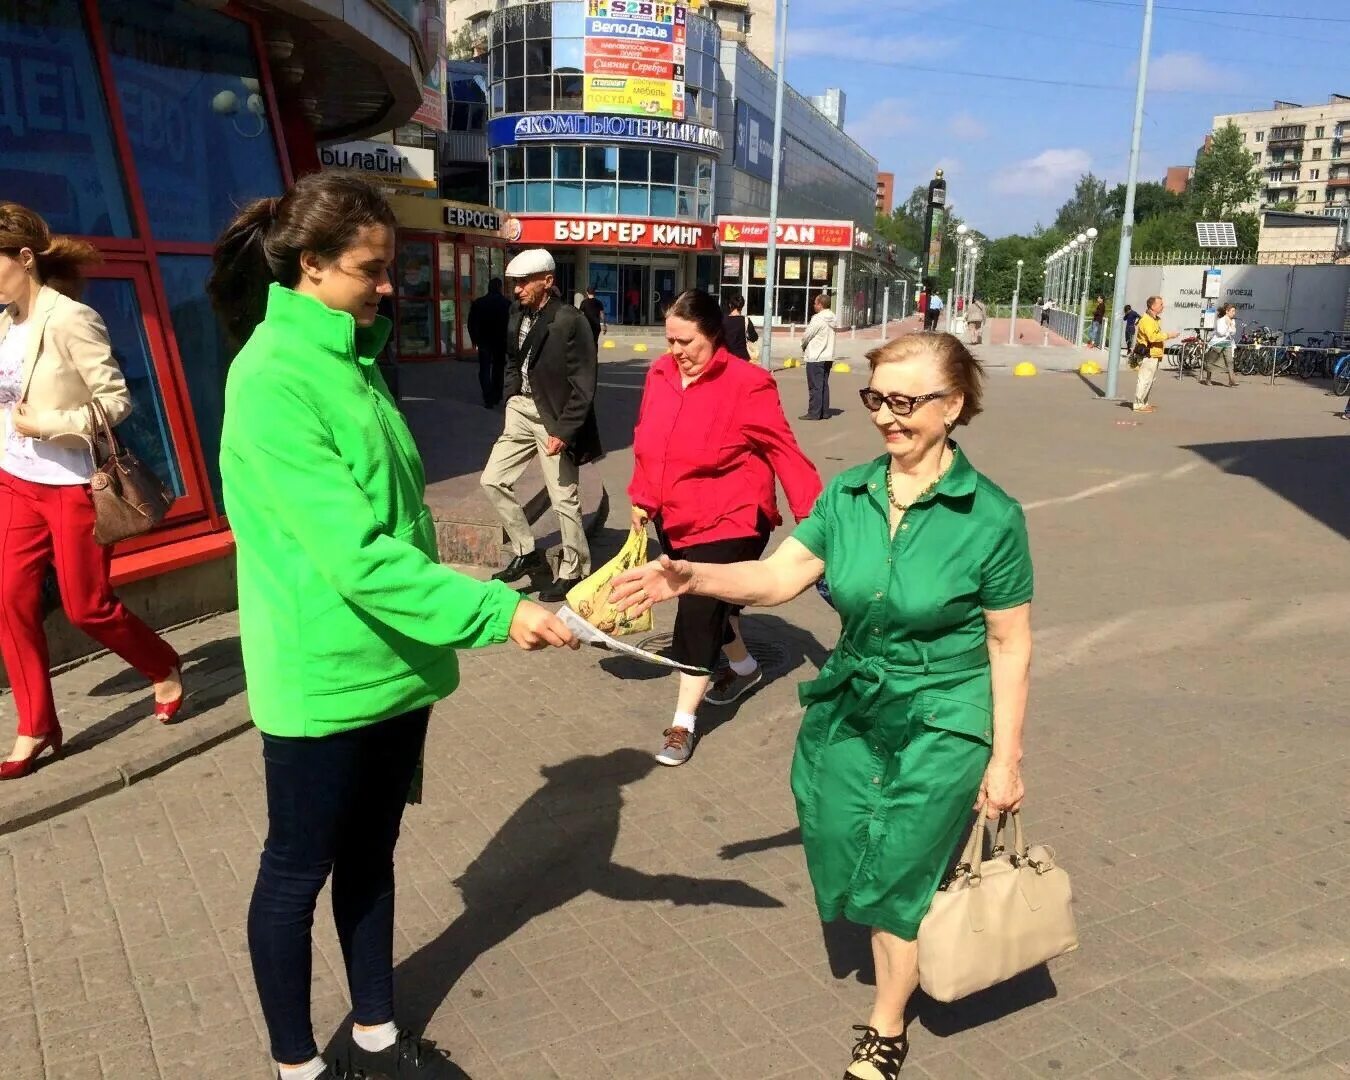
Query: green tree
x=1150, y=200
x=1226, y=179
x=464, y=44
x=1087, y=206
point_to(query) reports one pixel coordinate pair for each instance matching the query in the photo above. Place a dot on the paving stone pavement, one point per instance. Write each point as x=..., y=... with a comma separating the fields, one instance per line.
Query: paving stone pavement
x=566, y=908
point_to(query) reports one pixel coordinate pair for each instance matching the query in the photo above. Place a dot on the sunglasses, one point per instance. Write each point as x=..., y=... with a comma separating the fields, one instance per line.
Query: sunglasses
x=899, y=404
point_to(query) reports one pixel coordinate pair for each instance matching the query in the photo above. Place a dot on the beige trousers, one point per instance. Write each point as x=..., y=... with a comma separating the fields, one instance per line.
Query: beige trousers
x=1143, y=382
x=524, y=438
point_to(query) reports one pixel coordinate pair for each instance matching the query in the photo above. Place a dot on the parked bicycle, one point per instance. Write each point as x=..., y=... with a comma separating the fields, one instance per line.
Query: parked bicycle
x=1340, y=375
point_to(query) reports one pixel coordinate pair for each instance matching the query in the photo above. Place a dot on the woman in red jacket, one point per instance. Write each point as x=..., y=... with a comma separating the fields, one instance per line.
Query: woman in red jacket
x=711, y=441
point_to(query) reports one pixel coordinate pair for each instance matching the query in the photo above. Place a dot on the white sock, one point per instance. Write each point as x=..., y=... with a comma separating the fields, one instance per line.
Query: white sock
x=686, y=720
x=310, y=1070
x=375, y=1039
x=745, y=667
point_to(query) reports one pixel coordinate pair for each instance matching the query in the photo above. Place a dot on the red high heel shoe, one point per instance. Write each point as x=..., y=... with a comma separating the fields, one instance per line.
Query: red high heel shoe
x=165, y=711
x=14, y=770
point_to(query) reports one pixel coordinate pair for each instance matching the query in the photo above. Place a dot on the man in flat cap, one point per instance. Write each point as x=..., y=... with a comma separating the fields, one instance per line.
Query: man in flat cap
x=550, y=414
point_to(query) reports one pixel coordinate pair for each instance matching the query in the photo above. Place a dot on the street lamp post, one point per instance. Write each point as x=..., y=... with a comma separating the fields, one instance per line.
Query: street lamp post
x=1089, y=238
x=771, y=267
x=1017, y=289
x=955, y=291
x=1127, y=217
x=1070, y=272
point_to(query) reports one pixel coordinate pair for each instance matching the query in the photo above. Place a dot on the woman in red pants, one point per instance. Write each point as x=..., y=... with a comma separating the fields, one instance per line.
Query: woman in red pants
x=55, y=359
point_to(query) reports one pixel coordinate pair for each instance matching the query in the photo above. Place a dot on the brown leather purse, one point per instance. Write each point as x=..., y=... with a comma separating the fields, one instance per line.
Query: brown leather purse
x=129, y=499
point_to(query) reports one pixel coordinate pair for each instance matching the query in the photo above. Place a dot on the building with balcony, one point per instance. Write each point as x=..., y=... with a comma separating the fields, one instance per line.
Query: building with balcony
x=1297, y=148
x=885, y=193
x=142, y=128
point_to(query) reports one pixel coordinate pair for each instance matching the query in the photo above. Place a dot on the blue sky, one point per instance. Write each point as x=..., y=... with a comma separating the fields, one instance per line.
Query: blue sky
x=1012, y=150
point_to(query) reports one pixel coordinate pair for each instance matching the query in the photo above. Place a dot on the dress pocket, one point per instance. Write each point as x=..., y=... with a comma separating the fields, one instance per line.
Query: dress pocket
x=947, y=712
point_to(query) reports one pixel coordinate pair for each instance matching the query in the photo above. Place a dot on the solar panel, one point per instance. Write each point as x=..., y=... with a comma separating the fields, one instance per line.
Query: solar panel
x=1216, y=234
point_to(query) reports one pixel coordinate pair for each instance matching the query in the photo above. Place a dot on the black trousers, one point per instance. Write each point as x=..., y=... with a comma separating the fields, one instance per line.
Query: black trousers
x=818, y=390
x=702, y=622
x=334, y=805
x=930, y=320
x=491, y=375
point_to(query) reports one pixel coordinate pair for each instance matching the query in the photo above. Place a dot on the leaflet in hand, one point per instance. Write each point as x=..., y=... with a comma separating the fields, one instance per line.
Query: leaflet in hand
x=589, y=635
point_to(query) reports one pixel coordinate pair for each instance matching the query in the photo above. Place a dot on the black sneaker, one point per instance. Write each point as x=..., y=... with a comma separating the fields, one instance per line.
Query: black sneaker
x=877, y=1057
x=335, y=1071
x=522, y=566
x=410, y=1058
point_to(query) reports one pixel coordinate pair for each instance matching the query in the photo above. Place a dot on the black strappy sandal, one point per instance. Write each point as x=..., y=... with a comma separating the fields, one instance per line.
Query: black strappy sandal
x=876, y=1056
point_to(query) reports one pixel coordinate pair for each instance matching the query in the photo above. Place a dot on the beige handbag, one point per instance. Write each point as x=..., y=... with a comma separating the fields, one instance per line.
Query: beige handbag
x=996, y=917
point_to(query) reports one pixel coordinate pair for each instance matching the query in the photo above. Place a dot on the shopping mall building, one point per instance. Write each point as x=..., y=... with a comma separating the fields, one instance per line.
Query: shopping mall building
x=641, y=154
x=142, y=127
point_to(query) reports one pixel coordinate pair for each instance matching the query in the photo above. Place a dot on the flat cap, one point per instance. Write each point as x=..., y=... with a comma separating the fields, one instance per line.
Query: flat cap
x=531, y=262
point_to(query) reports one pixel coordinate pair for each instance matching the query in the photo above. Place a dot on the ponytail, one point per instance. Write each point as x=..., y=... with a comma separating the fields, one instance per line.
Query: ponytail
x=240, y=273
x=60, y=260
x=322, y=214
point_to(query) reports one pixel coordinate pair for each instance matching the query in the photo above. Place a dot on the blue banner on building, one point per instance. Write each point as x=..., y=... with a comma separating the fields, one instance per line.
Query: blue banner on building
x=592, y=127
x=754, y=141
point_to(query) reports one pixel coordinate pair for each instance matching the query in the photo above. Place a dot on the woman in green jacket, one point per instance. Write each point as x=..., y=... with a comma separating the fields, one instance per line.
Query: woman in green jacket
x=918, y=714
x=349, y=623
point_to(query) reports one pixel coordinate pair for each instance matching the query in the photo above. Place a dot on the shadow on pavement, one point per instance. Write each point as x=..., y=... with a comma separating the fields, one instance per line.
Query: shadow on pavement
x=1310, y=473
x=556, y=847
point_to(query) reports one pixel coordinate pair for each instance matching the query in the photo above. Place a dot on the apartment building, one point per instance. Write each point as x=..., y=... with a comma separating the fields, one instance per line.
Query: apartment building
x=1303, y=152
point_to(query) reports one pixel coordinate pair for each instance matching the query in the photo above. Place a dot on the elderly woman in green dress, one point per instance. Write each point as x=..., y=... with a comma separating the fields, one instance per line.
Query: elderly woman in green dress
x=917, y=716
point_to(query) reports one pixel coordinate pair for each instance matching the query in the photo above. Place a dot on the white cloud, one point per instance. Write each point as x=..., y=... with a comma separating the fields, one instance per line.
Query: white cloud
x=881, y=122
x=1187, y=71
x=1048, y=173
x=842, y=44
x=966, y=127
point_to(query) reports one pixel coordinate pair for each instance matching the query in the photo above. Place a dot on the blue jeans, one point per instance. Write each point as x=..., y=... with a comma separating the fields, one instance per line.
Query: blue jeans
x=334, y=804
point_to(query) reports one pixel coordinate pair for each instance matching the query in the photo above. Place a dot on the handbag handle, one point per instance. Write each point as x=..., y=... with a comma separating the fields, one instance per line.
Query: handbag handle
x=100, y=425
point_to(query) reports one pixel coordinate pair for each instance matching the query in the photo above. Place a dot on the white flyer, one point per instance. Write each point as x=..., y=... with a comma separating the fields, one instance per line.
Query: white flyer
x=590, y=635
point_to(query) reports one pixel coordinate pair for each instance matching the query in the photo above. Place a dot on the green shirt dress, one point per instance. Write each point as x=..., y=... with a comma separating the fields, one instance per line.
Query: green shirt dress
x=899, y=724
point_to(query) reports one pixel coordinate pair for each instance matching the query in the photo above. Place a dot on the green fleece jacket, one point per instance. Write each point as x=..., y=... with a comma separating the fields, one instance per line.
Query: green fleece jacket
x=345, y=614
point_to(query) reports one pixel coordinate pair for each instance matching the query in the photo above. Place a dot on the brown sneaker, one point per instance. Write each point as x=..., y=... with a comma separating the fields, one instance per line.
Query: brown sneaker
x=678, y=746
x=875, y=1056
x=1146, y=408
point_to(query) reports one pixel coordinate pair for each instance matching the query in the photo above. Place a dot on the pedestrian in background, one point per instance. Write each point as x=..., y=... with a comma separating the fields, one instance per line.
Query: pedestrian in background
x=818, y=355
x=594, y=312
x=1046, y=309
x=488, y=316
x=1131, y=319
x=1098, y=322
x=917, y=716
x=550, y=415
x=710, y=444
x=1150, y=344
x=934, y=312
x=1219, y=355
x=56, y=362
x=349, y=622
x=738, y=331
x=975, y=315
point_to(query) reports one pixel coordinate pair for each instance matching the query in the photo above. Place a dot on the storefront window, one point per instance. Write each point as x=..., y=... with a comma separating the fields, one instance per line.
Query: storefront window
x=601, y=199
x=187, y=82
x=59, y=157
x=446, y=309
x=567, y=197
x=417, y=334
x=633, y=199
x=538, y=197
x=204, y=352
x=146, y=430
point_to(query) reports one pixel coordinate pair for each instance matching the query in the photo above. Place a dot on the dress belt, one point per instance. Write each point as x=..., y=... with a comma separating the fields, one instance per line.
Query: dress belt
x=848, y=666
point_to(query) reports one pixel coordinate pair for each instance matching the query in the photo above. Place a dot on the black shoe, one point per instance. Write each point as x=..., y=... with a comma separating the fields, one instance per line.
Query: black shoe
x=410, y=1058
x=874, y=1053
x=335, y=1071
x=808, y=416
x=522, y=566
x=557, y=592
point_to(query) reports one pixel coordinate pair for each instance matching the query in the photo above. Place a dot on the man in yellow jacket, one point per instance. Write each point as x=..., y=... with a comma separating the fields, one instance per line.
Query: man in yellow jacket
x=1151, y=335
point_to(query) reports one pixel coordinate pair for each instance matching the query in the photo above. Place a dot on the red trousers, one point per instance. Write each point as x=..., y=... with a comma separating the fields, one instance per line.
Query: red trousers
x=42, y=524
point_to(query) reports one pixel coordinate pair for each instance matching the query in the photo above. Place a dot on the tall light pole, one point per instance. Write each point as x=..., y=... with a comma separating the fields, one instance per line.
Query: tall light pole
x=771, y=270
x=1127, y=218
x=955, y=290
x=1088, y=239
x=1017, y=289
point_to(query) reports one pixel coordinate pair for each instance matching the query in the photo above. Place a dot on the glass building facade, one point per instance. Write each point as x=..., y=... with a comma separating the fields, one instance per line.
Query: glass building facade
x=537, y=63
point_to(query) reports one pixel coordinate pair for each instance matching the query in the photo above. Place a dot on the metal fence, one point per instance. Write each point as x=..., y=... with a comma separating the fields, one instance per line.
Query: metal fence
x=1198, y=257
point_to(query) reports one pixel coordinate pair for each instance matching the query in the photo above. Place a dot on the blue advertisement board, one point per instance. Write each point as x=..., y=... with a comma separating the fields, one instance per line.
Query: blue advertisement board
x=754, y=141
x=601, y=128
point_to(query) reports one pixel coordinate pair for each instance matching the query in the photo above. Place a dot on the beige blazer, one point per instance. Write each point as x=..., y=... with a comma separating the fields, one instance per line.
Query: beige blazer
x=69, y=364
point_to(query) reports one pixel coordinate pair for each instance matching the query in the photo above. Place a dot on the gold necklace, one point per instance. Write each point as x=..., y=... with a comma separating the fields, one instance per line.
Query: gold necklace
x=902, y=507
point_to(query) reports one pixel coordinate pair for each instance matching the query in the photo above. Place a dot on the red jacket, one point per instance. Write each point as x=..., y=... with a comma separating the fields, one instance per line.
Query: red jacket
x=705, y=456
